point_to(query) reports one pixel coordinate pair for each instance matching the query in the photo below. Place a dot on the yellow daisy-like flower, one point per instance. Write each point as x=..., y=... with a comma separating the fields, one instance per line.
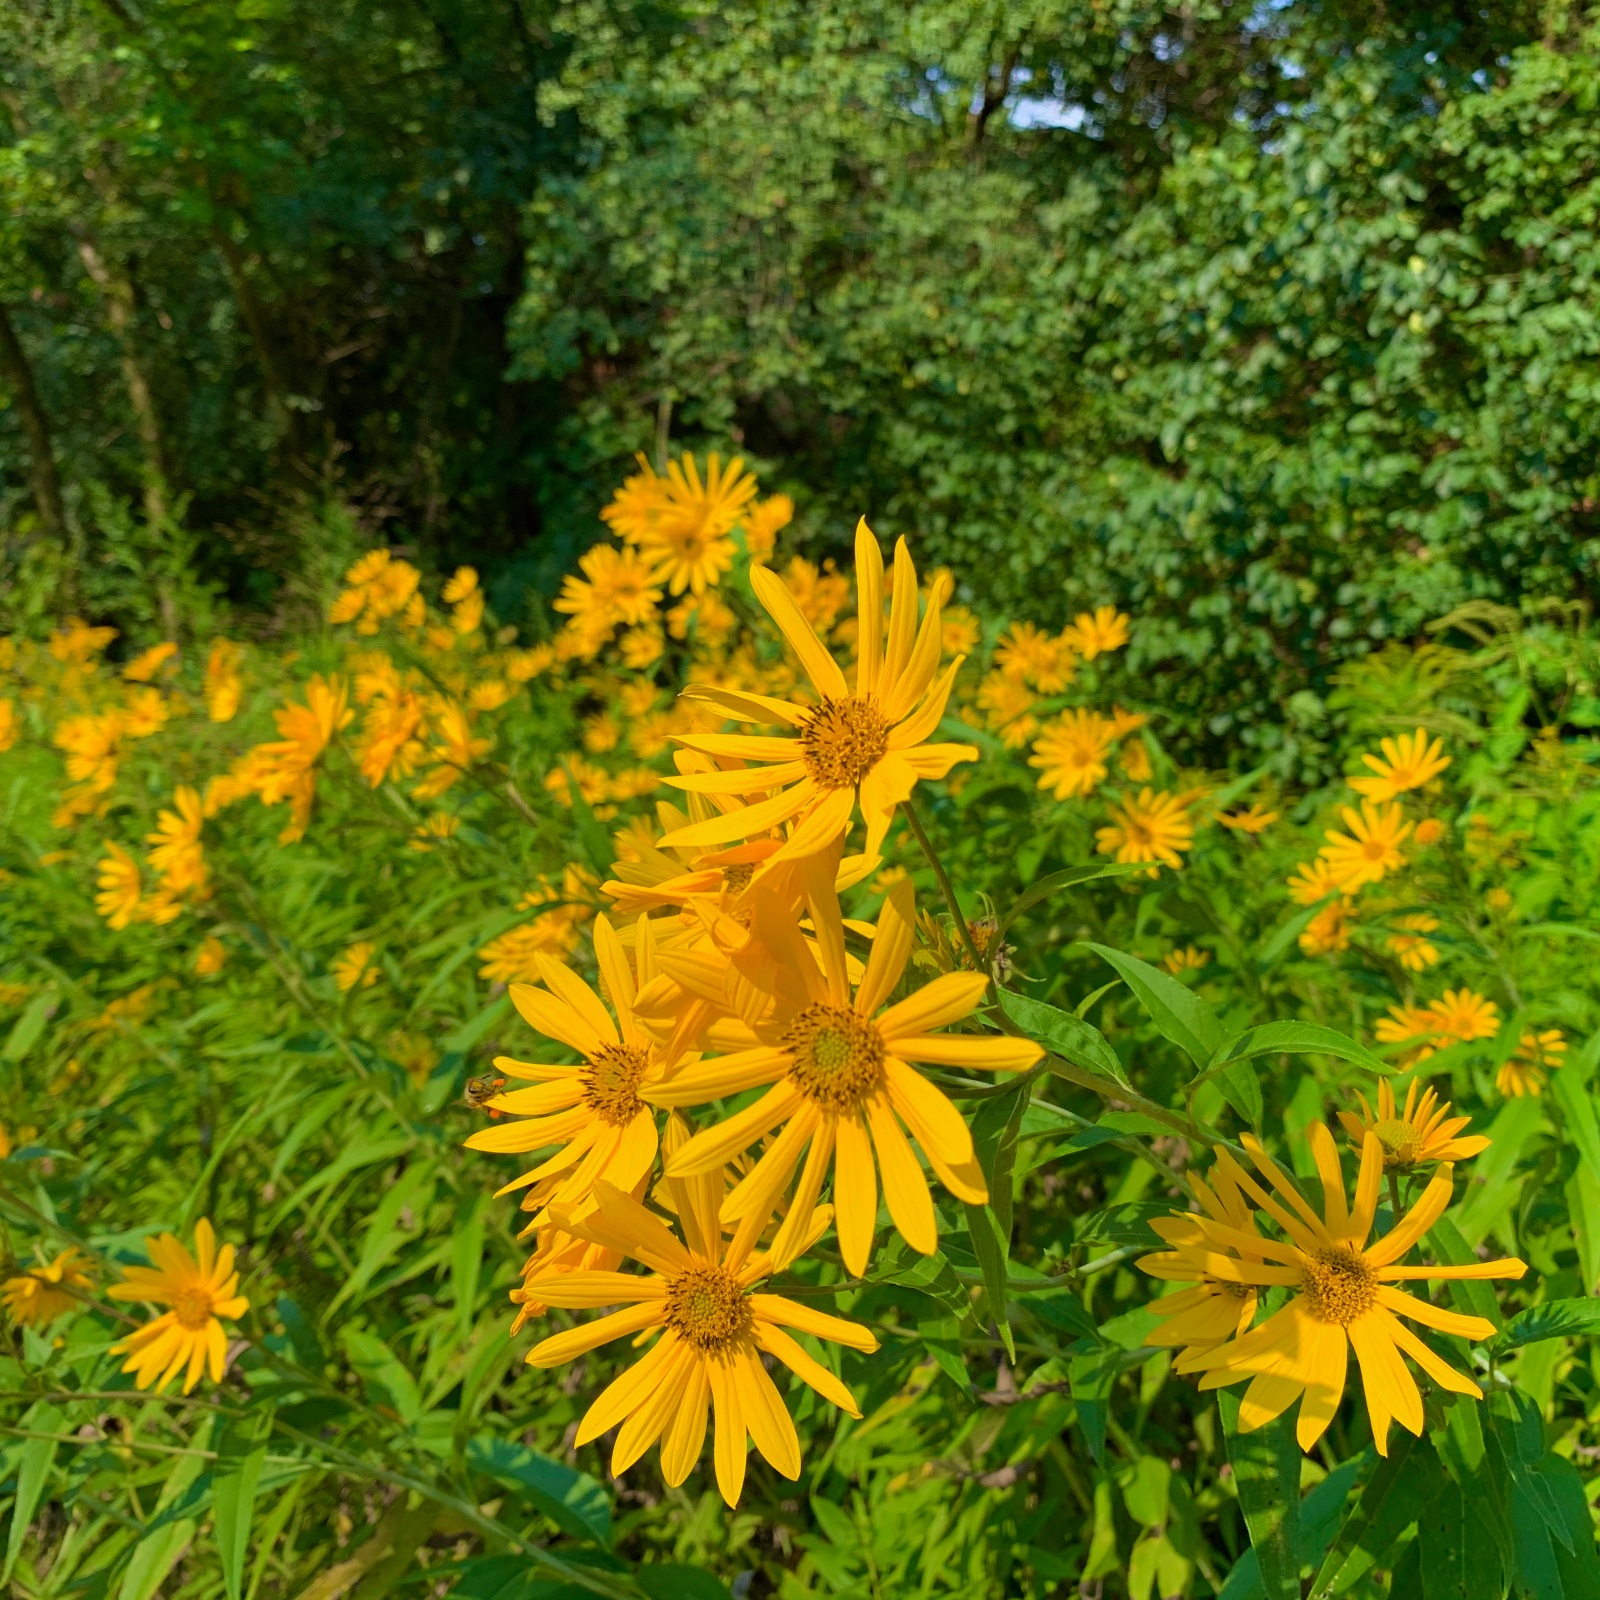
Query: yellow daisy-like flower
x=636, y=505
x=356, y=965
x=1007, y=704
x=1328, y=932
x=764, y=522
x=148, y=663
x=1407, y=763
x=1406, y=1024
x=1095, y=633
x=867, y=746
x=1187, y=958
x=1312, y=881
x=1525, y=1070
x=596, y=1109
x=176, y=852
x=211, y=957
x=714, y=1329
x=1216, y=1308
x=36, y=1296
x=1134, y=759
x=1370, y=851
x=842, y=1083
x=202, y=1291
x=1344, y=1295
x=1410, y=948
x=1429, y=832
x=1071, y=753
x=120, y=887
x=621, y=587
x=286, y=768
x=224, y=683
x=687, y=540
x=1043, y=661
x=1251, y=819
x=1465, y=1015
x=1152, y=827
x=1424, y=1131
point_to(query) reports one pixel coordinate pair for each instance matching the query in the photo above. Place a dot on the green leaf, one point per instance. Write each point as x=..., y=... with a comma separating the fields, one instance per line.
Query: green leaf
x=1386, y=1507
x=383, y=1236
x=34, y=1460
x=1492, y=1179
x=153, y=1558
x=993, y=1251
x=233, y=1495
x=1266, y=1468
x=994, y=1138
x=383, y=1373
x=303, y=1341
x=1178, y=1013
x=1067, y=1036
x=669, y=1581
x=1297, y=1038
x=571, y=1499
x=1068, y=878
x=26, y=1029
x=1472, y=1295
x=1555, y=1319
x=1283, y=939
x=1569, y=1092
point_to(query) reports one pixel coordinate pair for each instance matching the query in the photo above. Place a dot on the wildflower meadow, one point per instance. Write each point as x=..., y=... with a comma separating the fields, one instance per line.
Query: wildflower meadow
x=776, y=1081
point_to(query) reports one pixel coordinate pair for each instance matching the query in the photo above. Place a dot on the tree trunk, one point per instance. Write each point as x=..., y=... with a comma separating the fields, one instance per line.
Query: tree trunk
x=42, y=476
x=116, y=289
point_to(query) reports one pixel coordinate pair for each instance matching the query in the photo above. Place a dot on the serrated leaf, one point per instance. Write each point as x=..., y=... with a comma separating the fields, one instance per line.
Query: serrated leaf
x=1065, y=1035
x=1178, y=1013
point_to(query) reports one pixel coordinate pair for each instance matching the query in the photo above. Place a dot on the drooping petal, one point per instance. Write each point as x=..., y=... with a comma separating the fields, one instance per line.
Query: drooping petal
x=649, y=1419
x=568, y=1345
x=765, y=1414
x=947, y=999
x=904, y=1187
x=628, y=1389
x=729, y=1445
x=777, y=1343
x=855, y=1193
x=685, y=1434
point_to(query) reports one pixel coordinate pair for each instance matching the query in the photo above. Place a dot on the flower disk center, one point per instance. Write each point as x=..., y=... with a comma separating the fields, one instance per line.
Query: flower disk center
x=1399, y=1141
x=736, y=879
x=836, y=1056
x=843, y=740
x=1338, y=1285
x=611, y=1082
x=192, y=1308
x=707, y=1307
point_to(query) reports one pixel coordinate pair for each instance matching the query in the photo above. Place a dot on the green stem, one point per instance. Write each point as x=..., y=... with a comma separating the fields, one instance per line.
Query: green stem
x=908, y=811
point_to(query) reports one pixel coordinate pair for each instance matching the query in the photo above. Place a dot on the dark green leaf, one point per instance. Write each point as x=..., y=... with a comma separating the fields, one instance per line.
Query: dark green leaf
x=1555, y=1319
x=1266, y=1468
x=1065, y=1035
x=1180, y=1014
x=571, y=1499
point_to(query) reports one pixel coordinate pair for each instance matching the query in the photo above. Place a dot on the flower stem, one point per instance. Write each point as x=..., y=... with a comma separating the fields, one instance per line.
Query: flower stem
x=908, y=811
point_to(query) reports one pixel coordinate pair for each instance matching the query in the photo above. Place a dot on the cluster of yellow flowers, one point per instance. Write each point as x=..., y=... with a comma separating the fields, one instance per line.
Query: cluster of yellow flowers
x=200, y=1291
x=730, y=967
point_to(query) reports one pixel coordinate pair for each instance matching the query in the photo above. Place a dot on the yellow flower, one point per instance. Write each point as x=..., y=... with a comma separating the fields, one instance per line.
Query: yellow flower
x=9, y=727
x=36, y=1296
x=389, y=747
x=1343, y=1295
x=286, y=769
x=223, y=683
x=1071, y=753
x=456, y=749
x=635, y=507
x=379, y=587
x=841, y=1077
x=1252, y=819
x=686, y=539
x=441, y=825
x=1328, y=932
x=1008, y=704
x=867, y=745
x=961, y=631
x=120, y=887
x=91, y=742
x=176, y=852
x=1312, y=881
x=211, y=957
x=1414, y=952
x=621, y=587
x=146, y=713
x=1135, y=762
x=762, y=524
x=642, y=647
x=1094, y=634
x=596, y=1109
x=1043, y=661
x=1525, y=1071
x=1464, y=1015
x=715, y=1329
x=462, y=594
x=1424, y=1131
x=355, y=965
x=148, y=663
x=522, y=666
x=1499, y=900
x=1217, y=1308
x=1187, y=958
x=1153, y=827
x=76, y=641
x=1407, y=763
x=1407, y=1023
x=202, y=1290
x=1429, y=832
x=1370, y=851
x=819, y=595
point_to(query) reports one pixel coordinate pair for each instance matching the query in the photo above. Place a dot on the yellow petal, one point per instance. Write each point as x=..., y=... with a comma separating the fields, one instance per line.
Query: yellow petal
x=818, y=665
x=946, y=999
x=855, y=1193
x=765, y=1414
x=567, y=1346
x=904, y=1187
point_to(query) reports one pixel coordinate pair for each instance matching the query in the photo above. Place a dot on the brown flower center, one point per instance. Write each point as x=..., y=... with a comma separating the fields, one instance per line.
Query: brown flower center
x=1374, y=849
x=192, y=1307
x=843, y=740
x=1399, y=1141
x=1338, y=1284
x=611, y=1082
x=836, y=1056
x=736, y=879
x=707, y=1306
